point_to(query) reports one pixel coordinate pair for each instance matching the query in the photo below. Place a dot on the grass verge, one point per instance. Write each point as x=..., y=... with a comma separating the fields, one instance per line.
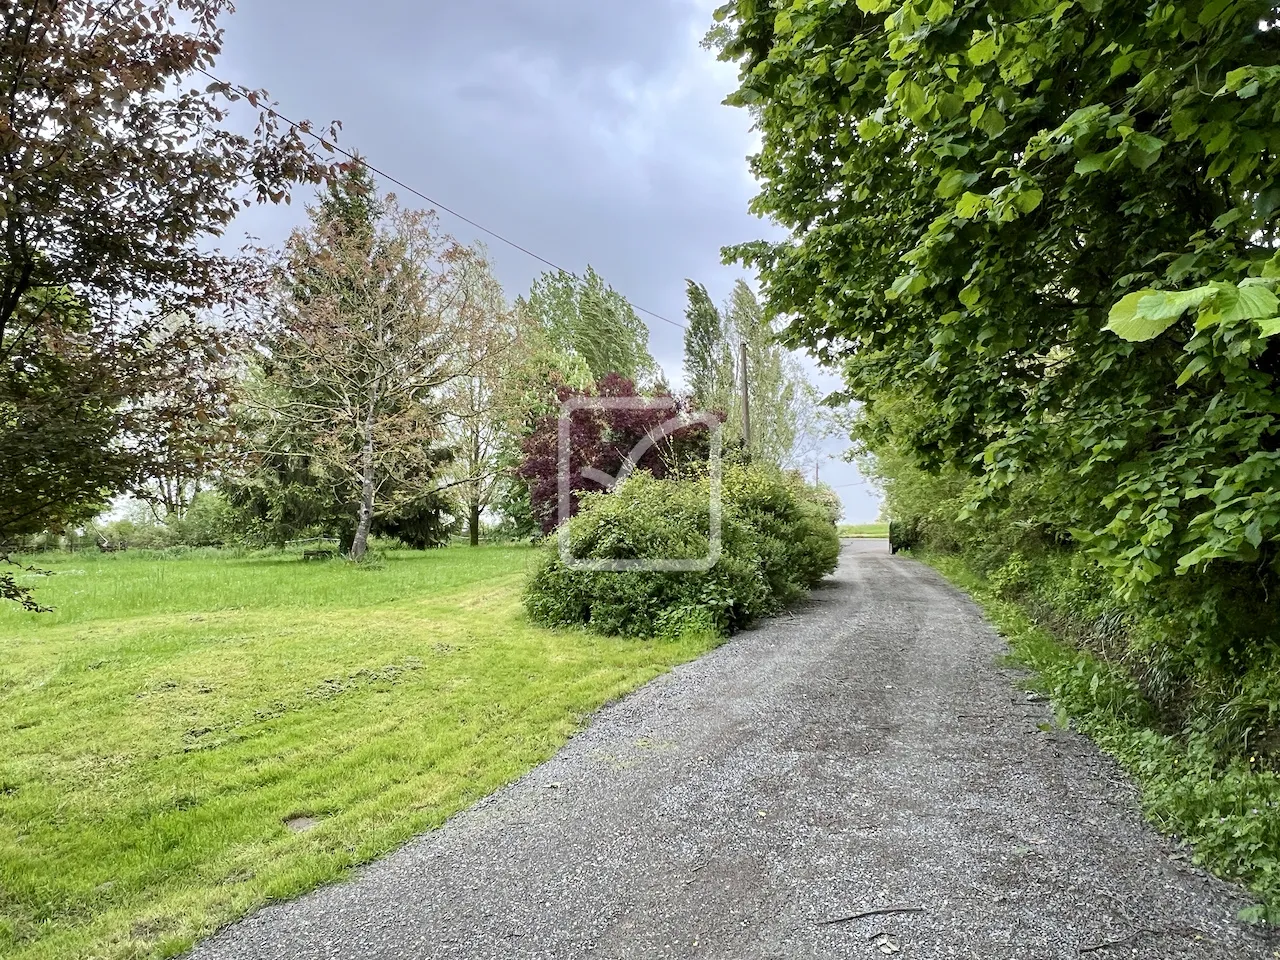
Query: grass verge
x=1228, y=811
x=186, y=739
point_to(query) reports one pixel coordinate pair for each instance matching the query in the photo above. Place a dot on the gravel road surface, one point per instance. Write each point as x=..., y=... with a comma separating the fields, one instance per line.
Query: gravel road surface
x=867, y=753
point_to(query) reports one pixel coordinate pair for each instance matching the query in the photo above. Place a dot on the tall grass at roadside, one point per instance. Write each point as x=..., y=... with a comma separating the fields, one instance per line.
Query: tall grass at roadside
x=1227, y=808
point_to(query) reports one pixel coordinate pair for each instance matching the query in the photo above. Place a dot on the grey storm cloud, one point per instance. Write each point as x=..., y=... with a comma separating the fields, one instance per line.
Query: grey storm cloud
x=586, y=130
x=589, y=131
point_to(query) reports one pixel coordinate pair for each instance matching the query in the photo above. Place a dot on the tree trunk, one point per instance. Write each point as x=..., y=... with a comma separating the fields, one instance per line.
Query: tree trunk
x=360, y=545
x=475, y=490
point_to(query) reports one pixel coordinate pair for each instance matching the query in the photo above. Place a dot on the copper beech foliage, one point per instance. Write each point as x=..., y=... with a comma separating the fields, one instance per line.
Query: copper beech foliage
x=602, y=438
x=117, y=159
x=118, y=165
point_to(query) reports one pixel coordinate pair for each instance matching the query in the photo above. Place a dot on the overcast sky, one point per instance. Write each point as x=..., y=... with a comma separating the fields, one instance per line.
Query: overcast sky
x=590, y=131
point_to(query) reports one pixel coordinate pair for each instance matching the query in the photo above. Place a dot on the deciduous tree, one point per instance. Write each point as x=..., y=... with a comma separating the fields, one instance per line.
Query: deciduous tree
x=708, y=361
x=117, y=170
x=480, y=415
x=974, y=192
x=586, y=317
x=373, y=330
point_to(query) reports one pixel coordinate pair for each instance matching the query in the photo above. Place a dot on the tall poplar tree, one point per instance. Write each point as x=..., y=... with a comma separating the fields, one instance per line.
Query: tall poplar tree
x=706, y=358
x=587, y=317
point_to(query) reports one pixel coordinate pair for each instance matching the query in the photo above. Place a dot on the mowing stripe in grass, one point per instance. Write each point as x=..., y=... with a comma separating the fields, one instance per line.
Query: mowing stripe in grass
x=161, y=727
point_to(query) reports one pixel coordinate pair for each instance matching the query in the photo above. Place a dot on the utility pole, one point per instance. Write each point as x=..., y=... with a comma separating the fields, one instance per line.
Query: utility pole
x=746, y=396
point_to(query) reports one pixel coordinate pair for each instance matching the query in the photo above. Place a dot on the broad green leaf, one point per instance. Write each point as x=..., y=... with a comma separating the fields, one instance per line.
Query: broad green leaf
x=1270, y=326
x=1194, y=368
x=1228, y=218
x=906, y=285
x=1122, y=318
x=1266, y=202
x=953, y=181
x=1207, y=318
x=1121, y=64
x=1145, y=314
x=1212, y=11
x=983, y=48
x=1185, y=122
x=873, y=6
x=939, y=10
x=1094, y=162
x=1143, y=150
x=1237, y=78
x=992, y=123
x=1216, y=136
x=912, y=101
x=971, y=204
x=1161, y=305
x=1246, y=302
x=1029, y=199
x=869, y=129
x=1181, y=267
x=949, y=105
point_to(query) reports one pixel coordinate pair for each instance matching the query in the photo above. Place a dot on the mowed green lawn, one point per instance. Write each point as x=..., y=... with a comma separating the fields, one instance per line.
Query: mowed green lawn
x=866, y=530
x=161, y=727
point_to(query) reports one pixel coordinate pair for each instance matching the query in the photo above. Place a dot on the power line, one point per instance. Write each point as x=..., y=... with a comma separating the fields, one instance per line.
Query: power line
x=334, y=148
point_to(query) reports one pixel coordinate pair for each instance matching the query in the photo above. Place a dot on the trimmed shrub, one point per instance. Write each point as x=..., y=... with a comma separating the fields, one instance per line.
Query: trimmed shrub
x=798, y=542
x=816, y=547
x=775, y=545
x=904, y=534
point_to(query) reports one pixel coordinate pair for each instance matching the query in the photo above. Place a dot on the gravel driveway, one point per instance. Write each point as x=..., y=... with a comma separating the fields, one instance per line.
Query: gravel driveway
x=868, y=752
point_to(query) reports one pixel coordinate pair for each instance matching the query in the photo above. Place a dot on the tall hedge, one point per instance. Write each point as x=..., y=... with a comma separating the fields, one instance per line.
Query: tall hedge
x=1041, y=239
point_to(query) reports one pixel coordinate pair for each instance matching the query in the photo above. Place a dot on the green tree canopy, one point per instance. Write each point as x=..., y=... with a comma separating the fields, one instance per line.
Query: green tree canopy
x=706, y=357
x=119, y=175
x=586, y=317
x=774, y=379
x=975, y=191
x=375, y=331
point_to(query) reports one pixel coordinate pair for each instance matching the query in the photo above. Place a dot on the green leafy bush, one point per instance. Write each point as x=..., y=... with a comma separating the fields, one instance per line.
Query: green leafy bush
x=775, y=545
x=827, y=498
x=904, y=534
x=795, y=535
x=140, y=531
x=210, y=521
